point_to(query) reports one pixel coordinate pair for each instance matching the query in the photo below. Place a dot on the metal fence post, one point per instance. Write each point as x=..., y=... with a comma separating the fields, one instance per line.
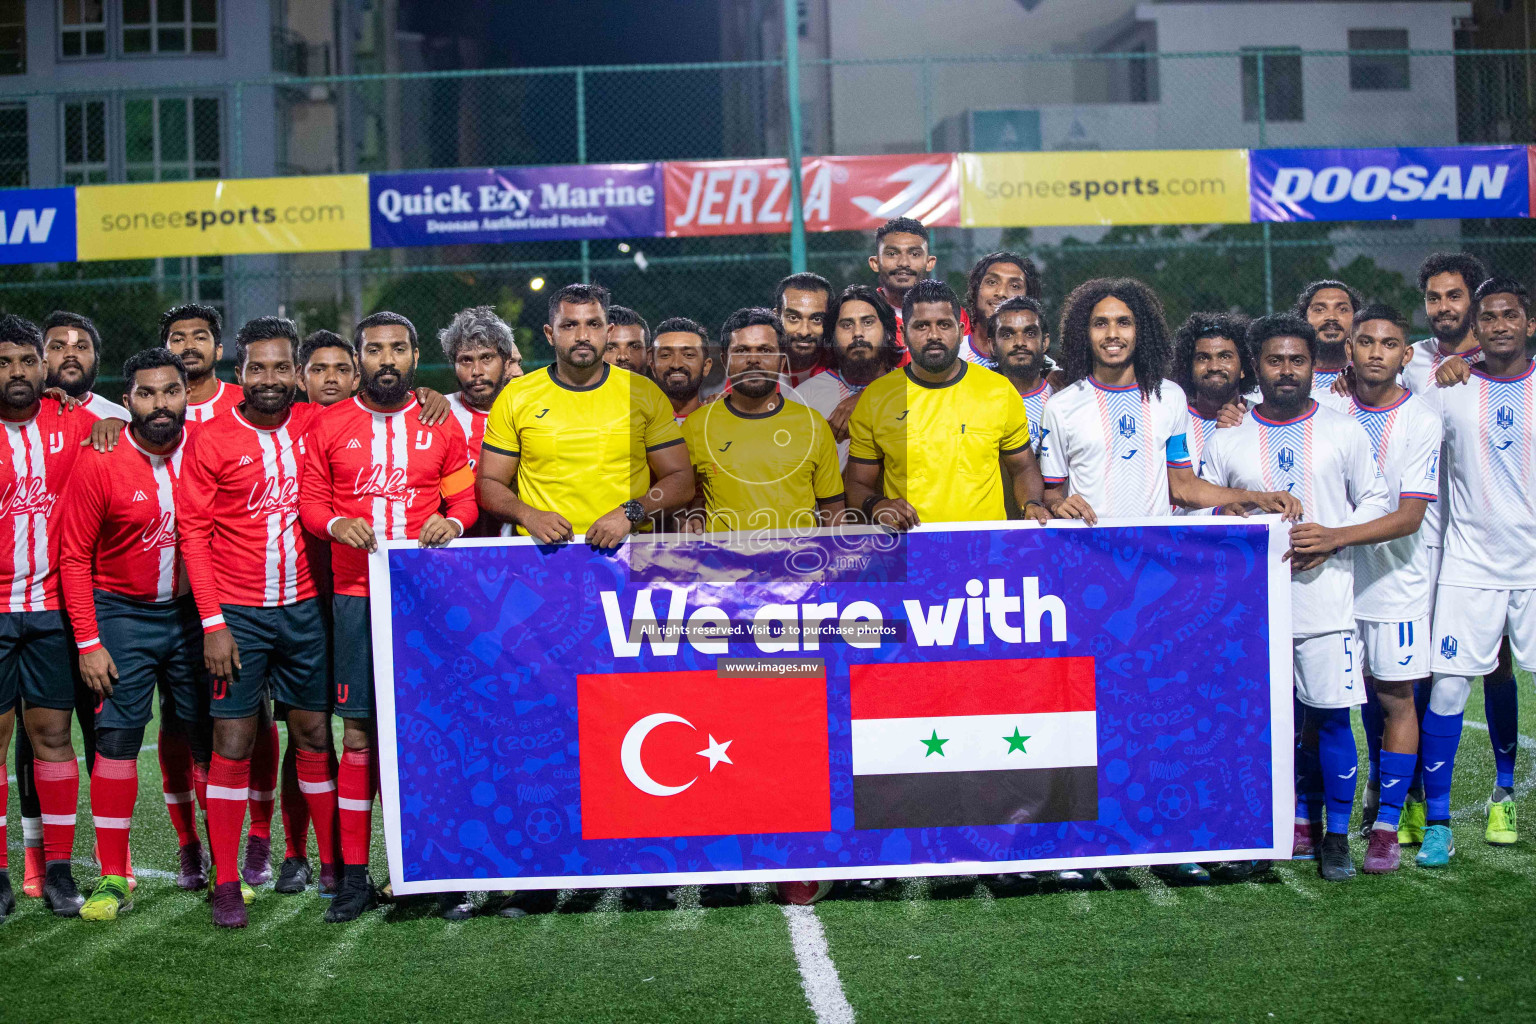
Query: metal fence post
x=1269, y=256
x=581, y=158
x=927, y=105
x=797, y=256
x=237, y=130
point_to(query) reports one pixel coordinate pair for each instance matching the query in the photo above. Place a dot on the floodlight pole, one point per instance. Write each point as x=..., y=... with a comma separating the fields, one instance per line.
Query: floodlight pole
x=792, y=82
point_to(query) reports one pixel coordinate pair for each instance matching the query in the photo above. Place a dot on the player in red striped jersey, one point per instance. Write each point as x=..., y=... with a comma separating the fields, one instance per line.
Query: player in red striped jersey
x=126, y=593
x=248, y=559
x=71, y=348
x=374, y=470
x=481, y=350
x=38, y=449
x=193, y=332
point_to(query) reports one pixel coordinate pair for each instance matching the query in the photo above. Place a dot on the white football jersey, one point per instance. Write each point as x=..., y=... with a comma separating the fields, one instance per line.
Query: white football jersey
x=1490, y=469
x=1393, y=579
x=971, y=354
x=1034, y=405
x=1114, y=446
x=823, y=392
x=1322, y=382
x=1418, y=377
x=1324, y=458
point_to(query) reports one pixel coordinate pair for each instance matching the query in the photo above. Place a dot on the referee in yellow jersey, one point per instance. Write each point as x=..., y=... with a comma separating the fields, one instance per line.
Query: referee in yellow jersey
x=572, y=449
x=937, y=428
x=760, y=461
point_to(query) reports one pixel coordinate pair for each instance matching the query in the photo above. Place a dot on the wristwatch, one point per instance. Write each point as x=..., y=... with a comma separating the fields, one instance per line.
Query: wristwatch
x=633, y=511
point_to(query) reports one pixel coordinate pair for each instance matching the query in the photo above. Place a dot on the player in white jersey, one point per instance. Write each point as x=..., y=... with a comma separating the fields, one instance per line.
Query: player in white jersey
x=1020, y=338
x=1213, y=366
x=1323, y=457
x=1393, y=581
x=996, y=277
x=860, y=345
x=1329, y=306
x=801, y=301
x=1116, y=436
x=1487, y=587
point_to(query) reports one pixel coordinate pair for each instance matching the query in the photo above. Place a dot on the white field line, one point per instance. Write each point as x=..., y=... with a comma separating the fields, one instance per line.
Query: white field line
x=818, y=974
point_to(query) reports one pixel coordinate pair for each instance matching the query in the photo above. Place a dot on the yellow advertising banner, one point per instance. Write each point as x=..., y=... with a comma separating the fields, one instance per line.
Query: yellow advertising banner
x=1191, y=186
x=219, y=217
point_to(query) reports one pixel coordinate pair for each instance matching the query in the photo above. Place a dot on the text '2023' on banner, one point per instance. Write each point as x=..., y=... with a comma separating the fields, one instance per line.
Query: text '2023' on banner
x=226, y=216
x=1048, y=697
x=516, y=204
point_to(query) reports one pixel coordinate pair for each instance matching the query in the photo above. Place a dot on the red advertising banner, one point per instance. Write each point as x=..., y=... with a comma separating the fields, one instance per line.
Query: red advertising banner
x=841, y=193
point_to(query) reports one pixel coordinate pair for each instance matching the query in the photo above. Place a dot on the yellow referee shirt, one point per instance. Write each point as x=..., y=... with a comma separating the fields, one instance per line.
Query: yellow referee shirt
x=939, y=443
x=581, y=451
x=762, y=471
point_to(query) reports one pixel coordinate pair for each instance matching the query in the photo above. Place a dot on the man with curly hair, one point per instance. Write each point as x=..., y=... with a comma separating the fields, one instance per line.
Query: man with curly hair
x=1215, y=370
x=1116, y=436
x=1330, y=307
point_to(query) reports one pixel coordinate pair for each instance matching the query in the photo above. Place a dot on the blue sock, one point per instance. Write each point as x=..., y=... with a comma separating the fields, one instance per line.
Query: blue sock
x=1437, y=745
x=1340, y=762
x=1371, y=719
x=1396, y=770
x=1420, y=705
x=1501, y=704
x=1309, y=777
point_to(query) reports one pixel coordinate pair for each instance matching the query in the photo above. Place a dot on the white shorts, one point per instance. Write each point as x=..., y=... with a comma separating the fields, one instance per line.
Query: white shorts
x=1394, y=650
x=1436, y=560
x=1470, y=623
x=1327, y=670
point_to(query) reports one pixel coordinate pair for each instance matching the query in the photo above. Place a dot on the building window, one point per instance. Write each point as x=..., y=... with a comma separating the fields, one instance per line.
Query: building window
x=85, y=142
x=13, y=37
x=82, y=28
x=1378, y=72
x=170, y=26
x=13, y=146
x=171, y=138
x=1282, y=85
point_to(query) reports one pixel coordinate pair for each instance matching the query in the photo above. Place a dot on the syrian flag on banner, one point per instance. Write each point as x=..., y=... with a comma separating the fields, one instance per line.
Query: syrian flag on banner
x=974, y=743
x=691, y=754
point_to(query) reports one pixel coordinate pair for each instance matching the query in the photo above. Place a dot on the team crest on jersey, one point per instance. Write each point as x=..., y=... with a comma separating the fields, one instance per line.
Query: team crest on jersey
x=271, y=497
x=55, y=443
x=1286, y=459
x=1447, y=647
x=1127, y=426
x=1505, y=417
x=423, y=440
x=26, y=497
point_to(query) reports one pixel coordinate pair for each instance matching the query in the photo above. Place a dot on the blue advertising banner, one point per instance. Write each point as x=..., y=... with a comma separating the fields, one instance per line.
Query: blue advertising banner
x=1389, y=184
x=37, y=225
x=516, y=204
x=957, y=700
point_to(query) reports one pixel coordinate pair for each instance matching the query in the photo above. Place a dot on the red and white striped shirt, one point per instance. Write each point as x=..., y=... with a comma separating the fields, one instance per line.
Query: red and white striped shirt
x=36, y=457
x=471, y=421
x=117, y=530
x=388, y=468
x=100, y=409
x=238, y=507
x=224, y=400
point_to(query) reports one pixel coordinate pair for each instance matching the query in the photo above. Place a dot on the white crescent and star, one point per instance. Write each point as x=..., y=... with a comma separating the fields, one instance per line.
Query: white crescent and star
x=634, y=768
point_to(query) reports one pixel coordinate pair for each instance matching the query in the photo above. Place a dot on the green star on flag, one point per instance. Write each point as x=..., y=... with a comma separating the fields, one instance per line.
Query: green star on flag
x=935, y=745
x=1016, y=742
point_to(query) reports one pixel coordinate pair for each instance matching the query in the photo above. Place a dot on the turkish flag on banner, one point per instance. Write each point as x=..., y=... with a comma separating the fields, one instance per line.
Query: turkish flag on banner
x=693, y=754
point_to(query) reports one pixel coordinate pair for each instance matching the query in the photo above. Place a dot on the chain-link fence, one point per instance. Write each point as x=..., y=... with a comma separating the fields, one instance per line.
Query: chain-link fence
x=319, y=124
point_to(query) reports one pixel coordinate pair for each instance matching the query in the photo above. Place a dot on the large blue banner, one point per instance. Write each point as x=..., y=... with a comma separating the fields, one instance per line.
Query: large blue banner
x=1005, y=697
x=37, y=225
x=515, y=204
x=1408, y=183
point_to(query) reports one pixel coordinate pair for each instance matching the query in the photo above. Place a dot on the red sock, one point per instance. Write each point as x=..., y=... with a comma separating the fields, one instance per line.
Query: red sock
x=114, y=789
x=295, y=806
x=317, y=779
x=354, y=800
x=228, y=790
x=176, y=783
x=58, y=791
x=264, y=765
x=5, y=804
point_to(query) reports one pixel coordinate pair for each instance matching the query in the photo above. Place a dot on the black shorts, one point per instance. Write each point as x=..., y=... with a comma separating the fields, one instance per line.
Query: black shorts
x=284, y=653
x=37, y=660
x=352, y=654
x=156, y=647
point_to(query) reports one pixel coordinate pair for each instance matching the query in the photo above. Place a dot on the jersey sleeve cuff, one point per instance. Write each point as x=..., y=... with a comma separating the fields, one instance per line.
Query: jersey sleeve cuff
x=331, y=525
x=664, y=444
x=515, y=453
x=860, y=458
x=1178, y=464
x=87, y=646
x=214, y=623
x=839, y=496
x=1014, y=451
x=1054, y=479
x=1417, y=494
x=456, y=522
